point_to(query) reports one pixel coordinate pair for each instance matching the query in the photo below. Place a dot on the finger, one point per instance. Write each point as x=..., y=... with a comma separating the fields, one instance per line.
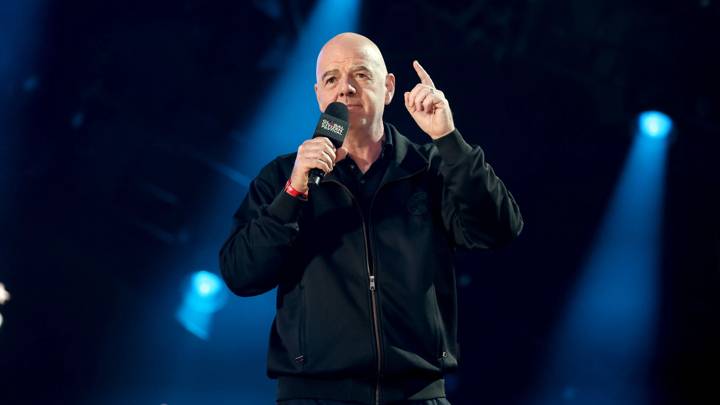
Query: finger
x=316, y=149
x=324, y=166
x=421, y=97
x=327, y=163
x=330, y=151
x=320, y=153
x=423, y=75
x=319, y=142
x=328, y=157
x=327, y=141
x=413, y=95
x=316, y=145
x=429, y=101
x=417, y=89
x=408, y=104
x=317, y=162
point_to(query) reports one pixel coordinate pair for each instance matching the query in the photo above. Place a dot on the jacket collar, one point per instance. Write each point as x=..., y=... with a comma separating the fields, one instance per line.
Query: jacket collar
x=406, y=159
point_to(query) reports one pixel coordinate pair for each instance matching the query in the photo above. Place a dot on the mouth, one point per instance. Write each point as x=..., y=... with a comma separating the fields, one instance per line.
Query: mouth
x=354, y=106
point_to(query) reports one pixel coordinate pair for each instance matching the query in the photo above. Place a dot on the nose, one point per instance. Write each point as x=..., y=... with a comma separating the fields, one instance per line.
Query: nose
x=347, y=88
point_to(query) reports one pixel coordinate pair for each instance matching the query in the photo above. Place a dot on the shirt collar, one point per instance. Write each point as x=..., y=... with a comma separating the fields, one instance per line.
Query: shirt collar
x=387, y=139
x=387, y=146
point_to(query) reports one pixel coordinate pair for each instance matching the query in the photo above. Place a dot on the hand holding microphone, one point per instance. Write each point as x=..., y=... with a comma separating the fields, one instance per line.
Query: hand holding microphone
x=317, y=156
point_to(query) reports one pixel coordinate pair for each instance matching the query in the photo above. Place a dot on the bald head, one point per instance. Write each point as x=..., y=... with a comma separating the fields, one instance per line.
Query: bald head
x=349, y=43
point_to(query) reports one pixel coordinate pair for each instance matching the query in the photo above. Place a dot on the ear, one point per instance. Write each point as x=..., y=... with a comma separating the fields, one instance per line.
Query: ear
x=389, y=87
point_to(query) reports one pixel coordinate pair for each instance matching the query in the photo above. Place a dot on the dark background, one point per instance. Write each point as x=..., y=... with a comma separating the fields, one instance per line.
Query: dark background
x=113, y=113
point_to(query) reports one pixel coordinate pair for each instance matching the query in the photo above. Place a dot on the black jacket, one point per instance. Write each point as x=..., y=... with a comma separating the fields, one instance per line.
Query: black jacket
x=351, y=326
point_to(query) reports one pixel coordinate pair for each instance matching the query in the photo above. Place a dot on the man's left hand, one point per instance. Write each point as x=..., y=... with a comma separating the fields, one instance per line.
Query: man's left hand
x=428, y=106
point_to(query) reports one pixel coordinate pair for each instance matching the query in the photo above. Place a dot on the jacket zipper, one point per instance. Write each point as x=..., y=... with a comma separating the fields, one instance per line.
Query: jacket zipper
x=376, y=322
x=373, y=289
x=371, y=277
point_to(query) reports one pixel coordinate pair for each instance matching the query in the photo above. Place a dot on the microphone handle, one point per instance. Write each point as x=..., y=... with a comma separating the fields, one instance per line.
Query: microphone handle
x=314, y=177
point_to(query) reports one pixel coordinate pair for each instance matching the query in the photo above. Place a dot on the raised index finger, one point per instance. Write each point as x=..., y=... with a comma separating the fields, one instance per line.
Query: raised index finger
x=424, y=76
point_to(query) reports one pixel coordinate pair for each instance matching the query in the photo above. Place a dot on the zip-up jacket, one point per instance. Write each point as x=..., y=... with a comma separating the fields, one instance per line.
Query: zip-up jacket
x=366, y=303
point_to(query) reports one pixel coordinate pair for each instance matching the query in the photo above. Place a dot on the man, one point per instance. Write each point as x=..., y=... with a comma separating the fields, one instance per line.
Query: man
x=366, y=299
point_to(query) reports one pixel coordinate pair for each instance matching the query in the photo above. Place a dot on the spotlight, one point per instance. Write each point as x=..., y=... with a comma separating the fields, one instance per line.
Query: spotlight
x=206, y=284
x=203, y=296
x=4, y=297
x=4, y=294
x=655, y=124
x=612, y=316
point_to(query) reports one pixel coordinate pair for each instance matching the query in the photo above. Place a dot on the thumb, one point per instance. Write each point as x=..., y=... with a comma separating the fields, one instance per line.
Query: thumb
x=340, y=154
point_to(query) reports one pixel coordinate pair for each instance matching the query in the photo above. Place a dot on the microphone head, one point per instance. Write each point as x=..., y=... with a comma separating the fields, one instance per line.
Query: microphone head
x=333, y=123
x=337, y=110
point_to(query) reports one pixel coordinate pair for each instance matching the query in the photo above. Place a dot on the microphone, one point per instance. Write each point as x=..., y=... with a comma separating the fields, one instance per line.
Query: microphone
x=333, y=124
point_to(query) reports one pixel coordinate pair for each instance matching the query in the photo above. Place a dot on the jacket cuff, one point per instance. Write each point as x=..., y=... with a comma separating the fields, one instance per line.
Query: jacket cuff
x=285, y=207
x=452, y=147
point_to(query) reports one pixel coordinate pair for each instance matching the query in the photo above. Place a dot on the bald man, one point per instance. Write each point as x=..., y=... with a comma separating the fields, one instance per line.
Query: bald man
x=366, y=293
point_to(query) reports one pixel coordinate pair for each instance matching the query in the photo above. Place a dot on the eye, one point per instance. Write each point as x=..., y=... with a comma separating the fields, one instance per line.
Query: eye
x=330, y=80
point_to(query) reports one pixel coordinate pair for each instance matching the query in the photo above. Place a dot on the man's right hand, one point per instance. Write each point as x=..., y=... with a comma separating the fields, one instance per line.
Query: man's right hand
x=316, y=153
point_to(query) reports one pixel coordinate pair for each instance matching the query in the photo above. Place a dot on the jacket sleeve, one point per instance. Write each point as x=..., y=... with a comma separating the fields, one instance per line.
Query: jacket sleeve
x=477, y=209
x=253, y=257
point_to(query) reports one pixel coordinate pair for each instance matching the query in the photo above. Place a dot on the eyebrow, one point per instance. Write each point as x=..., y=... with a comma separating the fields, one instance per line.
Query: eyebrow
x=352, y=69
x=328, y=73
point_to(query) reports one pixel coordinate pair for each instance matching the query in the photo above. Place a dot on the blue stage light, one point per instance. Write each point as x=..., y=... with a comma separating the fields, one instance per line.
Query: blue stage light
x=203, y=297
x=655, y=124
x=206, y=284
x=288, y=115
x=611, y=319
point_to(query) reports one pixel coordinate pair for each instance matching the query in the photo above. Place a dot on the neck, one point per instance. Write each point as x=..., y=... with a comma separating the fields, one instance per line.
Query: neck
x=364, y=145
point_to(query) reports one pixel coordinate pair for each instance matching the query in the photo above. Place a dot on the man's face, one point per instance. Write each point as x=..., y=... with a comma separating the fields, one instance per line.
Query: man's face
x=355, y=76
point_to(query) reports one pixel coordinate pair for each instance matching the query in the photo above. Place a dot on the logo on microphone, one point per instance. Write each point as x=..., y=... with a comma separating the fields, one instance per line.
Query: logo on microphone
x=332, y=127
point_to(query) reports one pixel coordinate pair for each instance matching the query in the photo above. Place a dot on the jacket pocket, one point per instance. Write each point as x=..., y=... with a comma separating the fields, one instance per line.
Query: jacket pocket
x=439, y=341
x=288, y=338
x=300, y=356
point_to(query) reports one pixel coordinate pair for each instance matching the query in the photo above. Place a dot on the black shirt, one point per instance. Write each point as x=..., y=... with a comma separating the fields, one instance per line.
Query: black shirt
x=364, y=185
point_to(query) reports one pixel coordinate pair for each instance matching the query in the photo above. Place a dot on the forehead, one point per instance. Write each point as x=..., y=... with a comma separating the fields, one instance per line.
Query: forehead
x=338, y=56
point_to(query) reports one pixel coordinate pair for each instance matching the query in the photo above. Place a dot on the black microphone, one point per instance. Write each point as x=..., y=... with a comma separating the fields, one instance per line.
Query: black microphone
x=333, y=124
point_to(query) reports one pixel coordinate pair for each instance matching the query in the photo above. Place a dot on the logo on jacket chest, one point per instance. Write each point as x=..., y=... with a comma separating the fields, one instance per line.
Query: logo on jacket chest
x=418, y=203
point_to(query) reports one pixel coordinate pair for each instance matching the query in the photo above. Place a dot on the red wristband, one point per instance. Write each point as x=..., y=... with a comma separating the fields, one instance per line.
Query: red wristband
x=294, y=193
